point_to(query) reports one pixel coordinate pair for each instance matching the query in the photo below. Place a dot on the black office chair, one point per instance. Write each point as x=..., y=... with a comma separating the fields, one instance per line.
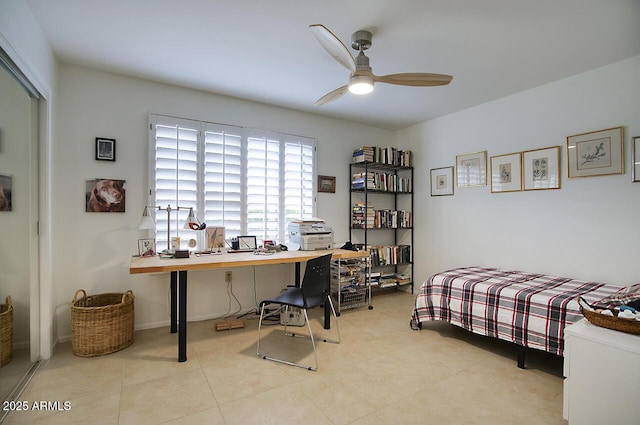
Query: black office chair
x=314, y=291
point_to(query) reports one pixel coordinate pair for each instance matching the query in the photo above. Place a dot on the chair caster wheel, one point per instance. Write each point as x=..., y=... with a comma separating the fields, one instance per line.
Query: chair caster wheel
x=370, y=307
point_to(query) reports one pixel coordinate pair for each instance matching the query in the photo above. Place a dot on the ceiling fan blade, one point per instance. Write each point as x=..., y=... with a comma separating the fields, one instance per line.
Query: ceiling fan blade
x=333, y=46
x=331, y=96
x=415, y=79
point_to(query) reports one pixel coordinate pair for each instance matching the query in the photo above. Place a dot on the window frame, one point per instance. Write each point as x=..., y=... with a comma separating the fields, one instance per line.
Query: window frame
x=244, y=133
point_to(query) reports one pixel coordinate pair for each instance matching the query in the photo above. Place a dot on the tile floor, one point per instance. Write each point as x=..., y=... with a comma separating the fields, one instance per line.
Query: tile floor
x=381, y=373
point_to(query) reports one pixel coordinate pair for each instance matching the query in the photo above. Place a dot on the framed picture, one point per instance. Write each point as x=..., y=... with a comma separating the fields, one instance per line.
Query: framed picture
x=471, y=169
x=105, y=195
x=635, y=157
x=105, y=149
x=146, y=247
x=215, y=238
x=442, y=181
x=541, y=168
x=596, y=153
x=506, y=173
x=327, y=184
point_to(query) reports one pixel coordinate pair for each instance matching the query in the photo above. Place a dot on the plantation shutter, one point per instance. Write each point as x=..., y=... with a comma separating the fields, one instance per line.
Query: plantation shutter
x=298, y=178
x=176, y=176
x=223, y=178
x=263, y=186
x=252, y=182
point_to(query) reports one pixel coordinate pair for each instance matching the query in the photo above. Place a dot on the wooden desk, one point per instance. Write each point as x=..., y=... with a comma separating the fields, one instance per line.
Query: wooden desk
x=178, y=267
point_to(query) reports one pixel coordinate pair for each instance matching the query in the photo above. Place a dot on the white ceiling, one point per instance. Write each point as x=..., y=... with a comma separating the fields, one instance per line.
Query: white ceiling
x=262, y=50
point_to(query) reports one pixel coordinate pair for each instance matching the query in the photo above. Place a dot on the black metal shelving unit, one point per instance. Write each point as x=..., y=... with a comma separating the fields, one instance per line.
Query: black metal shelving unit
x=365, y=193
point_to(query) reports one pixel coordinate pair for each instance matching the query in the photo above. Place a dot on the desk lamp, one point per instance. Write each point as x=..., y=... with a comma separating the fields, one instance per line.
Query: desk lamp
x=147, y=222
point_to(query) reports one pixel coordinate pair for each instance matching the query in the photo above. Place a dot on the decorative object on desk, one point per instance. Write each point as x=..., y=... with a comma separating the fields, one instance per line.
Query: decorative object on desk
x=146, y=247
x=442, y=181
x=246, y=243
x=541, y=168
x=181, y=253
x=147, y=222
x=175, y=243
x=105, y=149
x=101, y=324
x=105, y=195
x=614, y=322
x=327, y=184
x=506, y=173
x=215, y=238
x=635, y=160
x=596, y=153
x=6, y=332
x=471, y=169
x=6, y=189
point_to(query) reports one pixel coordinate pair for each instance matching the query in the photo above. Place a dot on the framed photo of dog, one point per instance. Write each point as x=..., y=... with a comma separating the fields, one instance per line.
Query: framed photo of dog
x=105, y=195
x=105, y=149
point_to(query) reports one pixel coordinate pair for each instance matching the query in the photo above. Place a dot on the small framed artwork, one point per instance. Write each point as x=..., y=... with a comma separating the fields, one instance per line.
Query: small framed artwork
x=6, y=183
x=105, y=149
x=635, y=157
x=215, y=238
x=146, y=247
x=471, y=169
x=327, y=184
x=541, y=168
x=506, y=173
x=442, y=181
x=597, y=153
x=105, y=195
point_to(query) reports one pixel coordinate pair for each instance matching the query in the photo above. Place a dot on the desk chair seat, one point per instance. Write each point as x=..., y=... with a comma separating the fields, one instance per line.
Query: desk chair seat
x=314, y=291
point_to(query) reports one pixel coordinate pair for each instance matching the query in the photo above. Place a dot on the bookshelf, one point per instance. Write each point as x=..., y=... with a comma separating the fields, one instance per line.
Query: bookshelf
x=381, y=216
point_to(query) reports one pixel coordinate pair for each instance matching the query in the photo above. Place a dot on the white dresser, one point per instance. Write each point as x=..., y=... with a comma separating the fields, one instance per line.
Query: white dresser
x=602, y=376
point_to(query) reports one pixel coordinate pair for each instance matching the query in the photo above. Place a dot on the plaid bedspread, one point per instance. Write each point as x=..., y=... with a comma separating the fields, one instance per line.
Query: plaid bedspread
x=525, y=308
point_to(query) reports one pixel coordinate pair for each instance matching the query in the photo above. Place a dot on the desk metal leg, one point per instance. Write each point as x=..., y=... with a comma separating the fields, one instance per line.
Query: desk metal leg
x=173, y=288
x=182, y=319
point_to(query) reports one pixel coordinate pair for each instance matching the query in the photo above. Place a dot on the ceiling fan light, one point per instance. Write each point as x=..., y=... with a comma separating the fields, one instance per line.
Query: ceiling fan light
x=361, y=84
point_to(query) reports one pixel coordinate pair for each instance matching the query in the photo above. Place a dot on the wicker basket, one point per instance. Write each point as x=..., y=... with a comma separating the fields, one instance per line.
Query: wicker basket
x=6, y=332
x=101, y=324
x=630, y=326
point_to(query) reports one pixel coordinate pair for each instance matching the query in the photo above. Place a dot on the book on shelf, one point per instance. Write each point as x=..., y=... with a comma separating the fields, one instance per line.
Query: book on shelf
x=383, y=155
x=385, y=182
x=390, y=255
x=362, y=216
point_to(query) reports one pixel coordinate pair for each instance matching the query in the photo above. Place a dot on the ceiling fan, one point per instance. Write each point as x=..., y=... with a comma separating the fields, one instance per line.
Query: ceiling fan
x=361, y=80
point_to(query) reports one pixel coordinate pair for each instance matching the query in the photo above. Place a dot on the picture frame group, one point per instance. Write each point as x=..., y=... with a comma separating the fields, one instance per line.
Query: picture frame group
x=535, y=169
x=594, y=153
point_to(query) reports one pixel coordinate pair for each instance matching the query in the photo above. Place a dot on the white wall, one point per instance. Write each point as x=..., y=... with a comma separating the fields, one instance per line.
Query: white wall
x=588, y=229
x=92, y=250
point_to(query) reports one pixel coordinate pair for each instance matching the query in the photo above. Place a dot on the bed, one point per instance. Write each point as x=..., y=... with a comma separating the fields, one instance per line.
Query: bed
x=530, y=310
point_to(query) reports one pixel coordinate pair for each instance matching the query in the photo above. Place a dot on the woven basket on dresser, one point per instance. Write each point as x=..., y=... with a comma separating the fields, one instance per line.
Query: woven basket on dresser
x=630, y=326
x=101, y=324
x=6, y=332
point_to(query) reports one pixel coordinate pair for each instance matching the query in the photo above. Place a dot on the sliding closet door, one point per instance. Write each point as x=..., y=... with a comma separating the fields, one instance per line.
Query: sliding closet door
x=18, y=229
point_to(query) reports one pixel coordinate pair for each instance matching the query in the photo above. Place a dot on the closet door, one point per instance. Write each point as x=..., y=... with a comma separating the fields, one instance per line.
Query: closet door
x=19, y=271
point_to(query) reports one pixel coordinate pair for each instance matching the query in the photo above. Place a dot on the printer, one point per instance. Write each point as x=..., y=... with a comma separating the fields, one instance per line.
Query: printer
x=310, y=234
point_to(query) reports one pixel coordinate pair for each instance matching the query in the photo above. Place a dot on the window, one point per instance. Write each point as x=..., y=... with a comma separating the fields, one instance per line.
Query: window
x=252, y=182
